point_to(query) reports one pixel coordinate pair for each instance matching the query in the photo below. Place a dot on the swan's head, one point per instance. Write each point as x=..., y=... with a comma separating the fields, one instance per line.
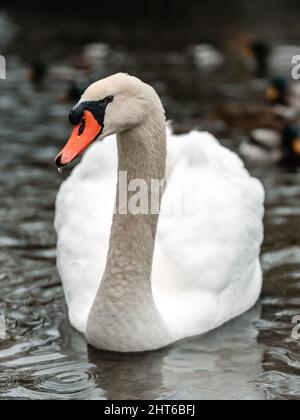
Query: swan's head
x=109, y=106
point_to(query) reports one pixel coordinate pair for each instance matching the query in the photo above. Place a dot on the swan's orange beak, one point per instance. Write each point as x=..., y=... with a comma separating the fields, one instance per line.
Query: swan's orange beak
x=83, y=135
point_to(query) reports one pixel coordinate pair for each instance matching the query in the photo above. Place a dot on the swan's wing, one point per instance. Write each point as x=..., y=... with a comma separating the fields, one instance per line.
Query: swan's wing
x=84, y=209
x=209, y=241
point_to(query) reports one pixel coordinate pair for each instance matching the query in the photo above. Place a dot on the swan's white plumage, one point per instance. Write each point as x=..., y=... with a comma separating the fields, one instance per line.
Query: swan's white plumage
x=206, y=267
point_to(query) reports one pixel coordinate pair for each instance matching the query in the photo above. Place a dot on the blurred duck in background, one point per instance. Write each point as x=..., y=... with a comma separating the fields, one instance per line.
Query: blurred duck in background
x=277, y=91
x=260, y=52
x=206, y=57
x=79, y=69
x=285, y=95
x=244, y=116
x=271, y=147
x=41, y=72
x=73, y=93
x=279, y=141
x=279, y=106
x=265, y=60
x=92, y=57
x=37, y=72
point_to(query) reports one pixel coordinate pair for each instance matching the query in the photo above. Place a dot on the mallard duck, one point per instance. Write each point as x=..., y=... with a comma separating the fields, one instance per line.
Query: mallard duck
x=72, y=94
x=279, y=107
x=41, y=72
x=92, y=57
x=281, y=93
x=260, y=51
x=271, y=147
x=206, y=57
x=269, y=60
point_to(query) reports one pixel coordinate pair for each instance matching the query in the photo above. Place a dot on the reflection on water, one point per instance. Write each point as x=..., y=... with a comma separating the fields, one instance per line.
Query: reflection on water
x=41, y=357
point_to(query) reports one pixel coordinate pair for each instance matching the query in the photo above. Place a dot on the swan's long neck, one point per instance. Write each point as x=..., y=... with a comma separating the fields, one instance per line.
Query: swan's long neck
x=124, y=315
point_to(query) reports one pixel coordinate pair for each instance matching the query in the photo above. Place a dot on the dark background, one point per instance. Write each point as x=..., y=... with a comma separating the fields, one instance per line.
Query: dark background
x=155, y=24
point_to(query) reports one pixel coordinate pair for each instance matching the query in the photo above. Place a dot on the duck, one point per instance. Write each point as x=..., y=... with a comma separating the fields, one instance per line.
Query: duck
x=206, y=56
x=243, y=116
x=37, y=72
x=279, y=106
x=40, y=72
x=96, y=52
x=260, y=51
x=72, y=93
x=158, y=236
x=273, y=147
x=92, y=57
x=267, y=60
x=284, y=95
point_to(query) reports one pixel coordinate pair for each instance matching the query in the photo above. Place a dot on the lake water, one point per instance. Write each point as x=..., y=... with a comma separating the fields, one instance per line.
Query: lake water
x=41, y=357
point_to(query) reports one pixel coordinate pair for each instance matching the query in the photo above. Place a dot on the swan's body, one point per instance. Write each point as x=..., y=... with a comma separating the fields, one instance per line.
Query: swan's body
x=205, y=268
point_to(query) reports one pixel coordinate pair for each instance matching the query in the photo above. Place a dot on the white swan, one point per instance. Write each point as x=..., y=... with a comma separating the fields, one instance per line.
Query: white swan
x=199, y=271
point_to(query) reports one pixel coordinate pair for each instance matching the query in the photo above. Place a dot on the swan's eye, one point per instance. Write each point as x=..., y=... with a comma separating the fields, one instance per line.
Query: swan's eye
x=109, y=99
x=104, y=102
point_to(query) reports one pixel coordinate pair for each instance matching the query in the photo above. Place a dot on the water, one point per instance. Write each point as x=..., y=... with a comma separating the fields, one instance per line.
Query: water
x=41, y=357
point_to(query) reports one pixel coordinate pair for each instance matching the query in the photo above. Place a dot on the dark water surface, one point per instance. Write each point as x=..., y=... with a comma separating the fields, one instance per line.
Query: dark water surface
x=41, y=357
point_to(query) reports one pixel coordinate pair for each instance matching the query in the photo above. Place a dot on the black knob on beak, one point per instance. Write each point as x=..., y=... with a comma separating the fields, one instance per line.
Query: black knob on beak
x=76, y=114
